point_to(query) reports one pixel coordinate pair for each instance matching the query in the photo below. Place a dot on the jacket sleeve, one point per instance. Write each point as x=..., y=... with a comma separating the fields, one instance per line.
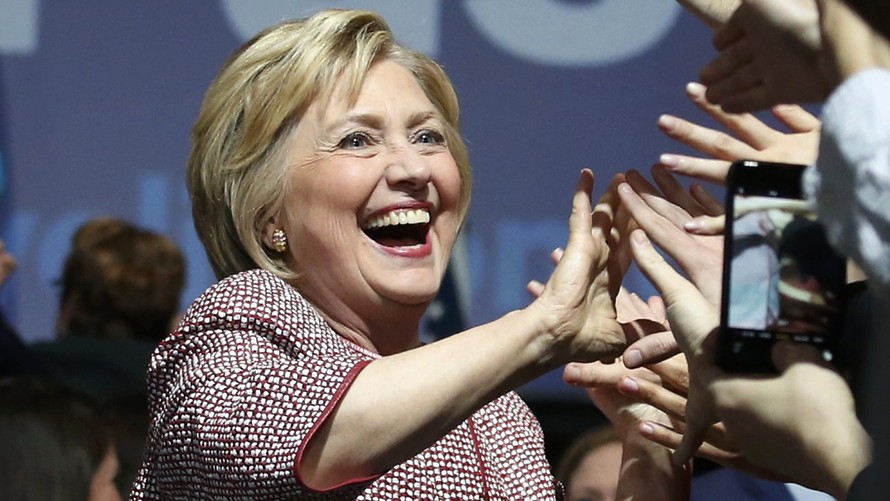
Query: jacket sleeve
x=236, y=391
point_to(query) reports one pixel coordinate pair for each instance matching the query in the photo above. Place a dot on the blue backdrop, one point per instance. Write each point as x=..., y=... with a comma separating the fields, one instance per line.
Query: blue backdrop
x=97, y=98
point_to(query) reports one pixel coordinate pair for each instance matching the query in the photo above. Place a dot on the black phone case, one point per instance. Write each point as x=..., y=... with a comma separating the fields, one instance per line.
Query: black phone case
x=748, y=349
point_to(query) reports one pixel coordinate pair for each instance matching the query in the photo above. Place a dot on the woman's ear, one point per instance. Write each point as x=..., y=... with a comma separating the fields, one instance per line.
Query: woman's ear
x=268, y=230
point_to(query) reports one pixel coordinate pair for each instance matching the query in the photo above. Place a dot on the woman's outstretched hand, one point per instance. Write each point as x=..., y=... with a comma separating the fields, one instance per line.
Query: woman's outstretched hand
x=576, y=305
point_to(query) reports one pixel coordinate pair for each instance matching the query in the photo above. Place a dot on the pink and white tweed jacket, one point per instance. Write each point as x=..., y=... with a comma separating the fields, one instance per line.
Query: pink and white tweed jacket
x=253, y=370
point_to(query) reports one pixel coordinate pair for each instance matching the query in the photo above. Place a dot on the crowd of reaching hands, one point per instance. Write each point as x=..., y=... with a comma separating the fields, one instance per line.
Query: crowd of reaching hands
x=802, y=425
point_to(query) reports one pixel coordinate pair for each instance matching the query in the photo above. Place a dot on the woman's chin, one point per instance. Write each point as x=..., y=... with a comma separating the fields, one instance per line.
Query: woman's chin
x=414, y=296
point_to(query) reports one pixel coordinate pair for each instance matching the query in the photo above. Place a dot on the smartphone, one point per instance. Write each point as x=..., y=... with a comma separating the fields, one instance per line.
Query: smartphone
x=781, y=278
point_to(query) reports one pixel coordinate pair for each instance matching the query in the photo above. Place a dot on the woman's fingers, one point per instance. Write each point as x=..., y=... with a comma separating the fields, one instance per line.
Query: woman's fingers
x=699, y=418
x=674, y=373
x=706, y=225
x=670, y=403
x=717, y=144
x=706, y=169
x=670, y=438
x=710, y=203
x=796, y=118
x=747, y=128
x=577, y=303
x=650, y=349
x=675, y=193
x=535, y=288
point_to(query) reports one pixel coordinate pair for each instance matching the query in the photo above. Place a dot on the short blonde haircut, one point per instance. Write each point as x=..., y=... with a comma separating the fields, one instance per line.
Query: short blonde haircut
x=237, y=169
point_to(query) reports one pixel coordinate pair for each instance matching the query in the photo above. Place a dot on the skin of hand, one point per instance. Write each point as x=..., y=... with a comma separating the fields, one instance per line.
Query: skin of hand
x=661, y=385
x=647, y=471
x=850, y=44
x=699, y=255
x=663, y=215
x=573, y=319
x=694, y=321
x=769, y=54
x=772, y=421
x=781, y=51
x=762, y=416
x=664, y=386
x=8, y=264
x=749, y=138
x=712, y=12
x=566, y=308
x=612, y=219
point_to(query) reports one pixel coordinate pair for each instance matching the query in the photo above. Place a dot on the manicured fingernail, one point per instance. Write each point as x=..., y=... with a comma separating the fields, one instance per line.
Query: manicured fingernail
x=624, y=187
x=633, y=358
x=647, y=429
x=692, y=225
x=639, y=237
x=669, y=160
x=695, y=89
x=667, y=121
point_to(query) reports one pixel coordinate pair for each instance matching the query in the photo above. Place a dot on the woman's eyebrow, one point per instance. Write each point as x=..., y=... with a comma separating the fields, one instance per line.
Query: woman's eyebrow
x=421, y=117
x=369, y=120
x=377, y=122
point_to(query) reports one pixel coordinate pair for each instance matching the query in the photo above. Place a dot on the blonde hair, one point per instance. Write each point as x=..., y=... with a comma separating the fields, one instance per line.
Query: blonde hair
x=236, y=169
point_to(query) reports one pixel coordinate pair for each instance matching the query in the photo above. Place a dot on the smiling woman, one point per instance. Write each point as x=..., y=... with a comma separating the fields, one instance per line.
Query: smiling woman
x=329, y=182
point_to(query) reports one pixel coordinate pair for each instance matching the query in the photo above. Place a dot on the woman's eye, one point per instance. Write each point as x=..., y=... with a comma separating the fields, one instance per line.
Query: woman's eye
x=355, y=141
x=429, y=137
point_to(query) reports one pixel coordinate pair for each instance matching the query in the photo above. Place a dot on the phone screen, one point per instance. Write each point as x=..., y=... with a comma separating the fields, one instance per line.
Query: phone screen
x=782, y=280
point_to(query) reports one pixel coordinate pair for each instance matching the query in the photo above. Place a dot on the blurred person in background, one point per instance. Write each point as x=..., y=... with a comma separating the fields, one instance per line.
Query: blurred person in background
x=57, y=444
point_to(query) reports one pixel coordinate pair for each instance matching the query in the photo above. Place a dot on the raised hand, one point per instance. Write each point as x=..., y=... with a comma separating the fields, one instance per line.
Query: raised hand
x=663, y=216
x=750, y=139
x=761, y=415
x=694, y=322
x=772, y=420
x=647, y=472
x=770, y=53
x=576, y=305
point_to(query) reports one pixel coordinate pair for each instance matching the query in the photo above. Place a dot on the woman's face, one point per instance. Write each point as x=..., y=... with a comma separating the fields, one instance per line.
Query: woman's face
x=371, y=200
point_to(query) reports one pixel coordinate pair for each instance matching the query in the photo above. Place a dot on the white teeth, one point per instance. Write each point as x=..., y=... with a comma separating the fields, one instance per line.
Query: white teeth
x=417, y=216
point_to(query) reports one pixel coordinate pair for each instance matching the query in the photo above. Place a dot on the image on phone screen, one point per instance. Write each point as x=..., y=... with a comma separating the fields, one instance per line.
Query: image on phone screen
x=782, y=280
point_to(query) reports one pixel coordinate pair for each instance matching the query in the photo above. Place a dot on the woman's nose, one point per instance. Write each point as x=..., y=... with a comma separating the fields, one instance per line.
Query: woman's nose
x=407, y=167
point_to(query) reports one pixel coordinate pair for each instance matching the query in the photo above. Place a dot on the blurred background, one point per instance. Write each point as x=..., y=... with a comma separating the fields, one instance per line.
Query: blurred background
x=97, y=98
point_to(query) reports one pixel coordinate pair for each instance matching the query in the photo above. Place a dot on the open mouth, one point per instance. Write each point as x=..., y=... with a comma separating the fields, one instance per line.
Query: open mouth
x=399, y=228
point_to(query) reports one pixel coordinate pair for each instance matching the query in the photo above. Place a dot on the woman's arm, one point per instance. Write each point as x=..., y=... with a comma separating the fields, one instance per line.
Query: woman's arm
x=399, y=405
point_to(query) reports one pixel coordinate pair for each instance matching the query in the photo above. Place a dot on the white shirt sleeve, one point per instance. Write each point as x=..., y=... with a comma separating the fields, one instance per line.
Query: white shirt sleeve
x=850, y=183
